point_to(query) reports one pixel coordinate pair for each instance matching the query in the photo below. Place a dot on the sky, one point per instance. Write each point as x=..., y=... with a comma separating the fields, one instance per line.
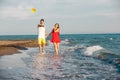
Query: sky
x=74, y=16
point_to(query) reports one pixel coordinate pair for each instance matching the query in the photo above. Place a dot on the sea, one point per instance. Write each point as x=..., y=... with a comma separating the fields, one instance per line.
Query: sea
x=81, y=57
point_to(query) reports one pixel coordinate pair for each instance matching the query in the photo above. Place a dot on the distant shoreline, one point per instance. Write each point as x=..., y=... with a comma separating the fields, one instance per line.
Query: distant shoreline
x=8, y=47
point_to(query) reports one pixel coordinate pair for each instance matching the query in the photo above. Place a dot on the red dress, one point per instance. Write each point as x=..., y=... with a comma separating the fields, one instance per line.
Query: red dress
x=55, y=37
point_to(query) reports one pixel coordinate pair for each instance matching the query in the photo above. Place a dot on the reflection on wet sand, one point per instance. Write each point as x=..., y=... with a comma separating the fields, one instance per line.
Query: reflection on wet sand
x=46, y=66
x=40, y=61
x=56, y=61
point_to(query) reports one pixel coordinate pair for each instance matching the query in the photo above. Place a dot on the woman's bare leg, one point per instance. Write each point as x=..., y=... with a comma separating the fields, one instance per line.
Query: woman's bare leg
x=58, y=47
x=55, y=47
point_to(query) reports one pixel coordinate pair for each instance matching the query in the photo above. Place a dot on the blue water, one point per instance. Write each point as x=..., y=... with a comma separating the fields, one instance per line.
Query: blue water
x=81, y=58
x=108, y=41
x=17, y=37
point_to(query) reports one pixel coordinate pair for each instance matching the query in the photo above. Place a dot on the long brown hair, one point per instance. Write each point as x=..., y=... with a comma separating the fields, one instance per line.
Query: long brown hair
x=58, y=25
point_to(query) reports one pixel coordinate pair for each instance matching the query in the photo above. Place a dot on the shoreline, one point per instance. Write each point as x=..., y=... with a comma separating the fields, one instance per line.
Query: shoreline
x=8, y=47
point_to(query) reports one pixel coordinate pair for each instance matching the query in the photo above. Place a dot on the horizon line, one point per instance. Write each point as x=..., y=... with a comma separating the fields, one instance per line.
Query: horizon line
x=60, y=34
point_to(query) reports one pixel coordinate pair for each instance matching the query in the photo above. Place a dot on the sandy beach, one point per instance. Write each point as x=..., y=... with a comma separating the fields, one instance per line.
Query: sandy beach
x=8, y=47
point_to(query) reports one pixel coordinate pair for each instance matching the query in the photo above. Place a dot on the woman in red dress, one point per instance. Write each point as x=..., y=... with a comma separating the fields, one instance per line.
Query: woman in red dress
x=55, y=39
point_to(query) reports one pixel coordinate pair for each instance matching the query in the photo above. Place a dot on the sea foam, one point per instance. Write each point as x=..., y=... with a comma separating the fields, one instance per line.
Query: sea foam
x=90, y=50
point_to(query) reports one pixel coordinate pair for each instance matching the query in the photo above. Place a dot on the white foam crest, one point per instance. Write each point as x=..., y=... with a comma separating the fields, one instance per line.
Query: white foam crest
x=65, y=41
x=73, y=48
x=90, y=50
x=110, y=38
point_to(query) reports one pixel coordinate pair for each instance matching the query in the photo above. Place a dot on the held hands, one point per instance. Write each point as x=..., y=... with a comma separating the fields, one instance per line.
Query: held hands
x=47, y=35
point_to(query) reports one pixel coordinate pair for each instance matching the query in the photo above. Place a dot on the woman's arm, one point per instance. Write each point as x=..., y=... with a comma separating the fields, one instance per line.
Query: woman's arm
x=50, y=32
x=57, y=30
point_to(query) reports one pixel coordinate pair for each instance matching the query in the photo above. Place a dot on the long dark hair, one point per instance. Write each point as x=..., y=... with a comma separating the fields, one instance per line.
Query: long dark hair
x=58, y=25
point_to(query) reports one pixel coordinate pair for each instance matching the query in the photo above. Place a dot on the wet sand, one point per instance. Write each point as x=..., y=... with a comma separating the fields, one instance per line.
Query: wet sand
x=69, y=65
x=8, y=47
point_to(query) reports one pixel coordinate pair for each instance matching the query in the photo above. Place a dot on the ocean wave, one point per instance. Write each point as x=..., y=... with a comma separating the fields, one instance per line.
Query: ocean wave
x=85, y=49
x=90, y=50
x=99, y=52
x=65, y=41
x=96, y=51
